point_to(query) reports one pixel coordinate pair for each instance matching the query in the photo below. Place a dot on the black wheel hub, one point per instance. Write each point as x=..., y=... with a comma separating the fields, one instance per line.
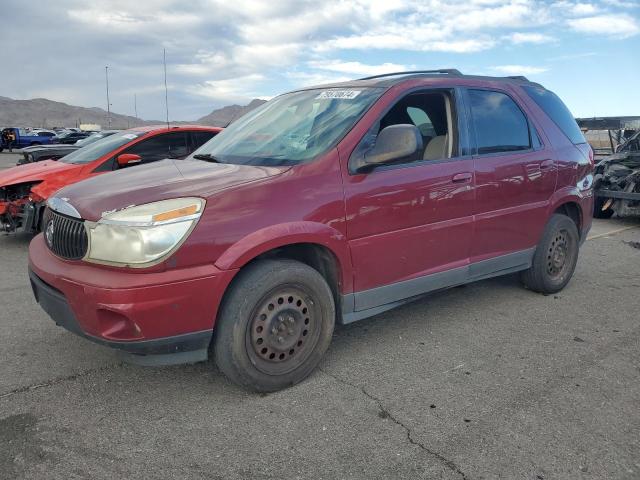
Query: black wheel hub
x=557, y=254
x=283, y=330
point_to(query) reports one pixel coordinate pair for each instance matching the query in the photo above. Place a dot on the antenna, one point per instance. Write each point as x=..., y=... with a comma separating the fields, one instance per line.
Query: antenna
x=166, y=91
x=106, y=74
x=135, y=107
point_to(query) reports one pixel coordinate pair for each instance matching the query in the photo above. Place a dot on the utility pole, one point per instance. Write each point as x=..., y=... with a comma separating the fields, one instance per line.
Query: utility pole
x=166, y=91
x=106, y=73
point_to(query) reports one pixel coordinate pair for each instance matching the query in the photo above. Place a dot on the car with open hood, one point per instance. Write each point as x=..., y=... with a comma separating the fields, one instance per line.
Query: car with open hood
x=325, y=205
x=25, y=189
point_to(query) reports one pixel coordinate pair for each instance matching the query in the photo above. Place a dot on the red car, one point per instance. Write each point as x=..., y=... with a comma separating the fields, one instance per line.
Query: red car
x=25, y=189
x=325, y=205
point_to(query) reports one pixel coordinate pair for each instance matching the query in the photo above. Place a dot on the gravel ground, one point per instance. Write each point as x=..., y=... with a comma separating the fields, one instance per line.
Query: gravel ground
x=483, y=381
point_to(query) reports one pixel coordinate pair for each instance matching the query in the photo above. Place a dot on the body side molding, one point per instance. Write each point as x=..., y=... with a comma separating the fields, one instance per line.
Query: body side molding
x=360, y=305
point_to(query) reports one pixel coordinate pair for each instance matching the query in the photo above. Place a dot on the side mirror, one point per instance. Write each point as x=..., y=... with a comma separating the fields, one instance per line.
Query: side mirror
x=128, y=159
x=394, y=142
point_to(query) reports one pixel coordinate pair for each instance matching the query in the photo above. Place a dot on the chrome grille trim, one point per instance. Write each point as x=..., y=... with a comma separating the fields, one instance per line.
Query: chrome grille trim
x=65, y=236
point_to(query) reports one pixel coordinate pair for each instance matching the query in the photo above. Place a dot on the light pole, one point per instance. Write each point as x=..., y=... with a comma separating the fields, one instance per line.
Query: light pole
x=106, y=73
x=135, y=107
x=166, y=90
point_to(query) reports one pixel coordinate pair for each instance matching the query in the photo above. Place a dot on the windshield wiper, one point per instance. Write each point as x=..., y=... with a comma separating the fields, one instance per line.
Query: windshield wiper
x=206, y=157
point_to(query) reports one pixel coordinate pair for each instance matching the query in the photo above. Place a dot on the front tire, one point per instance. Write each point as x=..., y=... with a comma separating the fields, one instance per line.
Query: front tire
x=556, y=256
x=274, y=326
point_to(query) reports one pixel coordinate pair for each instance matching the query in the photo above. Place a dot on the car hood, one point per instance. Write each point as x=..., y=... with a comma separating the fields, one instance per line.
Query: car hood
x=34, y=172
x=158, y=181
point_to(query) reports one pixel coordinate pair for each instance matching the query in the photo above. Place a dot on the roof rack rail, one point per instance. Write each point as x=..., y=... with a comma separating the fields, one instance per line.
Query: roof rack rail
x=444, y=71
x=518, y=77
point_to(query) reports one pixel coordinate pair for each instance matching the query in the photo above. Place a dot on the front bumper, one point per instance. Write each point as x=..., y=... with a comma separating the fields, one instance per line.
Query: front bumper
x=156, y=318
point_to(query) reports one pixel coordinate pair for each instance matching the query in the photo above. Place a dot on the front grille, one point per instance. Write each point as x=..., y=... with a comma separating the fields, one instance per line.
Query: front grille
x=65, y=236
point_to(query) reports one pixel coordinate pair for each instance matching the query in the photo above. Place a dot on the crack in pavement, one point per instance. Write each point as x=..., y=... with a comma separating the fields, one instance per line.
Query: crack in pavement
x=387, y=414
x=57, y=380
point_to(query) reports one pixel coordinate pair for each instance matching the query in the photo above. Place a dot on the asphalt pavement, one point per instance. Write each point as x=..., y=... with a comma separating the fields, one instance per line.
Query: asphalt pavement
x=484, y=381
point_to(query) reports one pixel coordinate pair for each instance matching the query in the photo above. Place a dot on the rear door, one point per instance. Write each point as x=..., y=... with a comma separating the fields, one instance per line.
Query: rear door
x=515, y=173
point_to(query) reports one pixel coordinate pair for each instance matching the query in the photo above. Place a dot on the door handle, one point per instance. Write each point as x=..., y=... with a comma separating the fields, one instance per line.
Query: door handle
x=547, y=164
x=462, y=177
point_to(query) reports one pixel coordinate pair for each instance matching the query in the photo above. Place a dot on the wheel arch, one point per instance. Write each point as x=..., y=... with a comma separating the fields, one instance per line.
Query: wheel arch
x=573, y=211
x=569, y=202
x=317, y=245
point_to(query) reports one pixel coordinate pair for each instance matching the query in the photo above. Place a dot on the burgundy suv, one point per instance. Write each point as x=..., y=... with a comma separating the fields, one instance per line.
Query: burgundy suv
x=325, y=205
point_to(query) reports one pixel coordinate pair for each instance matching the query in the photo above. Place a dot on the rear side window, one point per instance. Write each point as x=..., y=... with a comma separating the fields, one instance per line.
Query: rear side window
x=499, y=124
x=557, y=111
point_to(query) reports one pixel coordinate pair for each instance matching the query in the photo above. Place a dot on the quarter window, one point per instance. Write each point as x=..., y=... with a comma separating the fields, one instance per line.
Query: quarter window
x=499, y=124
x=557, y=111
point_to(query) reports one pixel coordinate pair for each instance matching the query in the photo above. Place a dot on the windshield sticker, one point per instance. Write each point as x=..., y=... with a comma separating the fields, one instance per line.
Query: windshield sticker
x=341, y=94
x=130, y=136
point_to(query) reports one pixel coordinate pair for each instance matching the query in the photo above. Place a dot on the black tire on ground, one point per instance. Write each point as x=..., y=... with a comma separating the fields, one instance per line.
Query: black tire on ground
x=597, y=208
x=274, y=325
x=556, y=256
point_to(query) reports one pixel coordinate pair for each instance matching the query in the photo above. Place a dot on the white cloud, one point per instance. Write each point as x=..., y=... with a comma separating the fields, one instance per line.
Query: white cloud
x=528, y=37
x=584, y=9
x=623, y=3
x=519, y=69
x=621, y=25
x=307, y=79
x=236, y=89
x=357, y=68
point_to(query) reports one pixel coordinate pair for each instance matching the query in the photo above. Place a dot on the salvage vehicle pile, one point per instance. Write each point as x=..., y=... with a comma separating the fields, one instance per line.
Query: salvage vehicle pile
x=617, y=182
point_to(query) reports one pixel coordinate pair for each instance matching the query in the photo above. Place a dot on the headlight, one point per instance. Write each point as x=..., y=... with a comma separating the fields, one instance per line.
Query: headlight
x=143, y=235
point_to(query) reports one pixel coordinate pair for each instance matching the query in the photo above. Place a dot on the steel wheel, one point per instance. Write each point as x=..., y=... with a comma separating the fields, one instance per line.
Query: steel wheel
x=557, y=255
x=284, y=330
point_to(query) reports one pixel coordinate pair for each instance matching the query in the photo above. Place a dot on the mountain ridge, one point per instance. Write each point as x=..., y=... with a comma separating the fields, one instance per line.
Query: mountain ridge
x=45, y=113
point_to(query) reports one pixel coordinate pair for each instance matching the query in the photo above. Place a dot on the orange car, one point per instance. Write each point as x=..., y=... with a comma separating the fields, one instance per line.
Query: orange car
x=25, y=189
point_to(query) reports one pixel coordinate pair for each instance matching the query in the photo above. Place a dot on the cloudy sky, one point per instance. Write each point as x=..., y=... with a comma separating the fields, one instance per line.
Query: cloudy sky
x=221, y=52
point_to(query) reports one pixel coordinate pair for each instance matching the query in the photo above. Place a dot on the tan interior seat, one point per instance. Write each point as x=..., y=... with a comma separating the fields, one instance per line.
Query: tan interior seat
x=436, y=148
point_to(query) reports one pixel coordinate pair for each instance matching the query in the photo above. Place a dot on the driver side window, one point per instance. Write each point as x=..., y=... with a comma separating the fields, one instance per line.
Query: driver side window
x=431, y=113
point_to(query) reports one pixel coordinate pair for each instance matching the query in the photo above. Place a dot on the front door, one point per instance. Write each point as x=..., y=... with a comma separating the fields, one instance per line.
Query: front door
x=410, y=221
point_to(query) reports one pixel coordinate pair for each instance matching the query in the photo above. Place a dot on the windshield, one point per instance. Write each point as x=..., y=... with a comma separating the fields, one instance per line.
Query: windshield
x=100, y=147
x=291, y=128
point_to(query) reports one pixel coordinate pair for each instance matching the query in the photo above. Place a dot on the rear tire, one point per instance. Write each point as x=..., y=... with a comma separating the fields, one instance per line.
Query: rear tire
x=274, y=326
x=556, y=256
